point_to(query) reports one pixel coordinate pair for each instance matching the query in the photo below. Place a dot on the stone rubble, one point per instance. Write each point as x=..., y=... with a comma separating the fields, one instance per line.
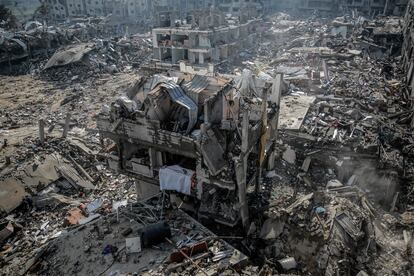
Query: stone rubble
x=339, y=199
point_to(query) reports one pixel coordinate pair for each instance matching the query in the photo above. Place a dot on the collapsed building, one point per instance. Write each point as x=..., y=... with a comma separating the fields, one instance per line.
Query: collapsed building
x=149, y=12
x=205, y=137
x=196, y=47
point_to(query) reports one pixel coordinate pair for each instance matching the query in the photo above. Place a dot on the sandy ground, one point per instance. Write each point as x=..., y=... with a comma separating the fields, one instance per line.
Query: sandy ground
x=26, y=99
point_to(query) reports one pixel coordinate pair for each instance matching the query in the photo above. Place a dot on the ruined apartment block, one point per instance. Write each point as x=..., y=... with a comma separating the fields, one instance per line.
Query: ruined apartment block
x=197, y=130
x=76, y=7
x=128, y=10
x=237, y=6
x=199, y=46
x=136, y=10
x=331, y=7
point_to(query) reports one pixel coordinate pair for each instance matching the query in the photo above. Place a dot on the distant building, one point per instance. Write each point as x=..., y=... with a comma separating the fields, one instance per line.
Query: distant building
x=155, y=11
x=237, y=7
x=338, y=7
x=95, y=7
x=200, y=45
x=58, y=9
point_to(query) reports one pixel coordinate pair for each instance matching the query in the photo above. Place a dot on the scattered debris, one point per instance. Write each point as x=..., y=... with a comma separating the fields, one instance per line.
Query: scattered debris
x=287, y=137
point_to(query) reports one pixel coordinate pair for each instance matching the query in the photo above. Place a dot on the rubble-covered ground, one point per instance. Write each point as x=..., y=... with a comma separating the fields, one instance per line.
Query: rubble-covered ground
x=340, y=200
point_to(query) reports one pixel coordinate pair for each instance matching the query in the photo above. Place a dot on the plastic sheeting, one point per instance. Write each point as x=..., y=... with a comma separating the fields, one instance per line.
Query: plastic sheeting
x=176, y=178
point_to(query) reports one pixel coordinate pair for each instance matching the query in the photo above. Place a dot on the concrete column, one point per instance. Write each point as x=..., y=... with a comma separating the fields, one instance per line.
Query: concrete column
x=241, y=175
x=155, y=158
x=325, y=70
x=387, y=2
x=42, y=131
x=201, y=58
x=206, y=113
x=245, y=131
x=275, y=97
x=67, y=125
x=174, y=56
x=191, y=57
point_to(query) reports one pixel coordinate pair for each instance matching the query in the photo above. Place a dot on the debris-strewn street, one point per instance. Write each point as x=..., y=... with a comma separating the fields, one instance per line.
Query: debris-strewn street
x=207, y=137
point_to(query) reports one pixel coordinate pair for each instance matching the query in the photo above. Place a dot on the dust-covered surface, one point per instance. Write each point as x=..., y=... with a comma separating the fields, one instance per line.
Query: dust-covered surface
x=339, y=199
x=84, y=250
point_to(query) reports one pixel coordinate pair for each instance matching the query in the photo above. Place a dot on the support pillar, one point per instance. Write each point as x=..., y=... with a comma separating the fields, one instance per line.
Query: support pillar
x=275, y=97
x=201, y=58
x=67, y=125
x=241, y=175
x=42, y=131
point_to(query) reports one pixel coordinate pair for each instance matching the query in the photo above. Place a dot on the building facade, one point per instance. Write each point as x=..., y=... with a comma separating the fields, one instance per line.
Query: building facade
x=154, y=10
x=200, y=45
x=58, y=9
x=136, y=10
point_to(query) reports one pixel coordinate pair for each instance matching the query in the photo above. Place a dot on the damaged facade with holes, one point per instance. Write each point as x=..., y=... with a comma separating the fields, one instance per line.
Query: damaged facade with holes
x=206, y=138
x=197, y=45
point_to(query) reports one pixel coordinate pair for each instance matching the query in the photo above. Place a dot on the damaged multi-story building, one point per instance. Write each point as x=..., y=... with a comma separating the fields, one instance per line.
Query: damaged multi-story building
x=63, y=9
x=206, y=138
x=158, y=10
x=152, y=11
x=206, y=40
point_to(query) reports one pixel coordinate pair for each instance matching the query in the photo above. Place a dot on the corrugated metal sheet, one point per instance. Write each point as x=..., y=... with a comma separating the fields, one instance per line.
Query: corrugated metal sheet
x=178, y=95
x=194, y=87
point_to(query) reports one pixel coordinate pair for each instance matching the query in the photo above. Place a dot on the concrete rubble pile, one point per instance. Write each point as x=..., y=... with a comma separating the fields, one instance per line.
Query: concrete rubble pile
x=53, y=186
x=27, y=50
x=347, y=155
x=345, y=75
x=83, y=61
x=115, y=239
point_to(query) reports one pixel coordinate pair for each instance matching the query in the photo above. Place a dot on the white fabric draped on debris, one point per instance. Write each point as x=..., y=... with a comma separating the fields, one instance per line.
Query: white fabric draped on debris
x=176, y=178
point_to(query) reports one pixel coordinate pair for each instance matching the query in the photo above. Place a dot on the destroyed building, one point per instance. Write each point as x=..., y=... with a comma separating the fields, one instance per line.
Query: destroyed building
x=145, y=10
x=284, y=148
x=196, y=47
x=408, y=46
x=211, y=134
x=337, y=7
x=63, y=9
